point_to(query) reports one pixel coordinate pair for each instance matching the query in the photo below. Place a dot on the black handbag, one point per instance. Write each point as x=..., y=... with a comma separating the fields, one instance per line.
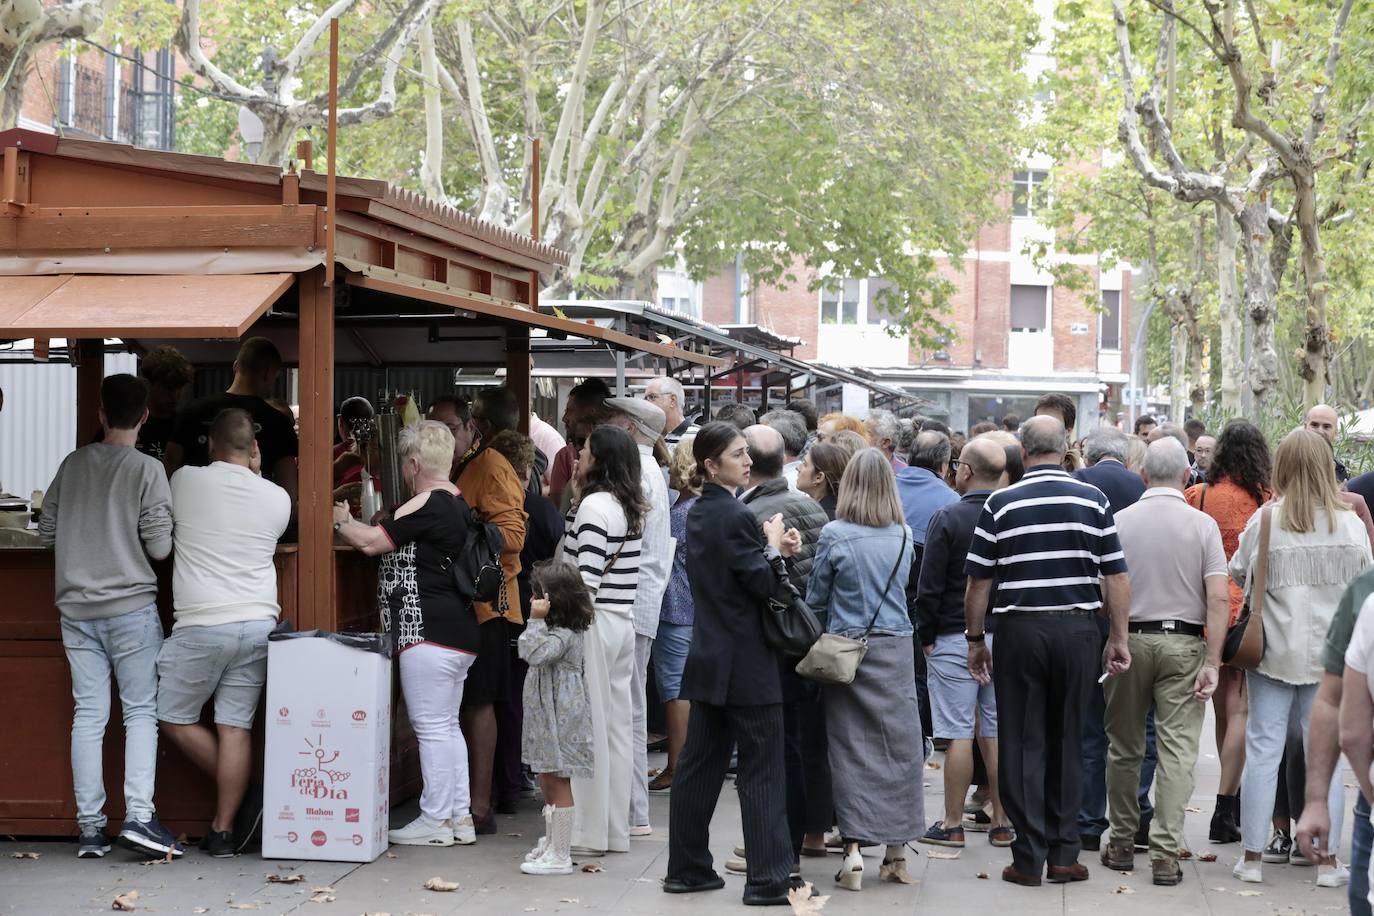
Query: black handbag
x=789, y=625
x=1244, y=645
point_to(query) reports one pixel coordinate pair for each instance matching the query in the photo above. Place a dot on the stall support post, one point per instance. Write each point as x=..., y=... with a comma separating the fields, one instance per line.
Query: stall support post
x=518, y=371
x=315, y=582
x=90, y=372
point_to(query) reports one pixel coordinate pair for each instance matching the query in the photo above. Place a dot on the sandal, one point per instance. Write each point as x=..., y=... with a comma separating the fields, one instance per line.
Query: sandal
x=851, y=874
x=894, y=870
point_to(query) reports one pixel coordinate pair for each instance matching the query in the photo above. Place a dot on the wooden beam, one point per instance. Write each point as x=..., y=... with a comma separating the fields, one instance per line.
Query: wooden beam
x=518, y=371
x=331, y=194
x=315, y=583
x=305, y=152
x=90, y=372
x=69, y=228
x=14, y=186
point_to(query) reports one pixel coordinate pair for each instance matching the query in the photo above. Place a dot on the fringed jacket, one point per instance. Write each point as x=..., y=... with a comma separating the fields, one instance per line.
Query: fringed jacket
x=1308, y=572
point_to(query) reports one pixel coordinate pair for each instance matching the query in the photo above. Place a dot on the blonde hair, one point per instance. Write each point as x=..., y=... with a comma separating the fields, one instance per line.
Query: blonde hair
x=683, y=474
x=430, y=443
x=851, y=442
x=868, y=491
x=1305, y=479
x=1001, y=436
x=1135, y=453
x=844, y=421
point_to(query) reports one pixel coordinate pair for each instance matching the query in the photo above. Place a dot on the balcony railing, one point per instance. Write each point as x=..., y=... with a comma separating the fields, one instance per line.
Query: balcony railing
x=89, y=106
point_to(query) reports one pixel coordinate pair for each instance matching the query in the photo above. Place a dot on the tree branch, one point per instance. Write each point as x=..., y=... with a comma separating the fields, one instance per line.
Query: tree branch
x=292, y=62
x=187, y=41
x=1322, y=96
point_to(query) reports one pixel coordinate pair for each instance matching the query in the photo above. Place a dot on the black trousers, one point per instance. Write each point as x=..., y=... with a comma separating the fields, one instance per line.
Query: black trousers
x=1044, y=666
x=760, y=780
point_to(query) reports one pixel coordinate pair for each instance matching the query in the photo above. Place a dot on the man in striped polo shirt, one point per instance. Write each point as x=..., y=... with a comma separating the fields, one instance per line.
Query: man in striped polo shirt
x=1049, y=546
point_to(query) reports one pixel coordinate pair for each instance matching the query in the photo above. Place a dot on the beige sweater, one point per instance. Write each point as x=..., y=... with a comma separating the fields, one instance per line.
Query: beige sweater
x=1307, y=575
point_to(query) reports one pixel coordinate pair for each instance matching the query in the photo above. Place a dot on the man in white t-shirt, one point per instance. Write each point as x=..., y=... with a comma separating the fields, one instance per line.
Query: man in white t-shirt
x=226, y=522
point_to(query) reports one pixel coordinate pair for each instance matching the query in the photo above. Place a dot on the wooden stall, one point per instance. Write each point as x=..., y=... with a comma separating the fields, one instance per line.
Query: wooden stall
x=100, y=241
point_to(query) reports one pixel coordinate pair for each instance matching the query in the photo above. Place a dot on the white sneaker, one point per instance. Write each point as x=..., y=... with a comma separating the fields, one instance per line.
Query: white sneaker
x=1337, y=875
x=588, y=852
x=1249, y=872
x=642, y=830
x=548, y=864
x=423, y=832
x=464, y=831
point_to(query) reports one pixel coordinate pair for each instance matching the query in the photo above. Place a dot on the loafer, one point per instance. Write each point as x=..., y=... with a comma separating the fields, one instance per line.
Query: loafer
x=662, y=782
x=777, y=899
x=1063, y=874
x=940, y=835
x=679, y=886
x=1165, y=872
x=1013, y=876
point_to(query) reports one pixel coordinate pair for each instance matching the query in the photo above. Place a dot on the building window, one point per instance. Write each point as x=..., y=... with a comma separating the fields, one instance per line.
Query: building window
x=1028, y=308
x=840, y=300
x=1110, y=320
x=857, y=302
x=882, y=298
x=1030, y=192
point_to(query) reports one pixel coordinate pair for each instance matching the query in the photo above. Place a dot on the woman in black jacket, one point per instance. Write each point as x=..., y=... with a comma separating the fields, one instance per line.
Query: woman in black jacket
x=731, y=678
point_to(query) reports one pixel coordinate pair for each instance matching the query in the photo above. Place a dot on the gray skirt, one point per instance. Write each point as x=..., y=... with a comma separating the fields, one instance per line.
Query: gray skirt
x=877, y=751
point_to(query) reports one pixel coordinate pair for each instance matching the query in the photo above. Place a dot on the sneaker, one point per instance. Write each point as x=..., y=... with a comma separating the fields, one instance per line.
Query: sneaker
x=423, y=832
x=1118, y=857
x=93, y=843
x=547, y=864
x=1249, y=872
x=1165, y=871
x=1337, y=875
x=149, y=838
x=220, y=844
x=1142, y=836
x=736, y=866
x=464, y=831
x=1295, y=857
x=1002, y=837
x=247, y=827
x=586, y=852
x=1279, y=849
x=642, y=830
x=940, y=835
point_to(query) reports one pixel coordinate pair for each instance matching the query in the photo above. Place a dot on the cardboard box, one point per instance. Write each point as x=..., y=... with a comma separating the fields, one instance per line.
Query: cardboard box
x=326, y=785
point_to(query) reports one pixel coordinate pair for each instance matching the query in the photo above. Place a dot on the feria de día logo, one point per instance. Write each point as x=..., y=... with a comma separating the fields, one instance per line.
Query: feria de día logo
x=317, y=779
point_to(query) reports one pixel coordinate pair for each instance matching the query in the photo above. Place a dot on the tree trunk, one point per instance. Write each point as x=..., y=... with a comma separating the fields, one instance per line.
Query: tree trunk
x=1261, y=293
x=14, y=61
x=432, y=164
x=1316, y=346
x=277, y=135
x=1232, y=327
x=1197, y=391
x=1178, y=371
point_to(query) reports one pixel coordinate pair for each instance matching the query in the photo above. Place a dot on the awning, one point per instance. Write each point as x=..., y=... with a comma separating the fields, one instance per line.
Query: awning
x=97, y=306
x=385, y=281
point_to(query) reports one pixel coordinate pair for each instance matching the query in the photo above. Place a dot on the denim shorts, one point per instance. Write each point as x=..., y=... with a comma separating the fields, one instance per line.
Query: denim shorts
x=670, y=657
x=227, y=661
x=954, y=695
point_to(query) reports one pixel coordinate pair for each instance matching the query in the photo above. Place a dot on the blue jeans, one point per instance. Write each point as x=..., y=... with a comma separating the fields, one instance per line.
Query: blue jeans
x=126, y=646
x=1092, y=815
x=1359, y=857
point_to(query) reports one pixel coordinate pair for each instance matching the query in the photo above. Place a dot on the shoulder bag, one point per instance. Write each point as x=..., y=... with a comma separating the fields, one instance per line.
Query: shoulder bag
x=834, y=659
x=789, y=625
x=1244, y=646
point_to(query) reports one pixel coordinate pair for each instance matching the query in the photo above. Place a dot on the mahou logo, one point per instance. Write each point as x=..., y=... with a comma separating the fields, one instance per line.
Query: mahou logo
x=319, y=780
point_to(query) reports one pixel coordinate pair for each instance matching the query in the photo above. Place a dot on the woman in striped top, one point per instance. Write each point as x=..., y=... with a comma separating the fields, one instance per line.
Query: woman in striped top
x=603, y=541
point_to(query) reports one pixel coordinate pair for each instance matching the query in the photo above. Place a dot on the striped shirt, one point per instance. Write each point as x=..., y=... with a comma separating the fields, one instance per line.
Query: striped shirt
x=1047, y=540
x=595, y=542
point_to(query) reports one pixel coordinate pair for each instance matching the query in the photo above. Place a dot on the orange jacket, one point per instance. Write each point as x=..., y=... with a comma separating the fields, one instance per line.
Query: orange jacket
x=490, y=486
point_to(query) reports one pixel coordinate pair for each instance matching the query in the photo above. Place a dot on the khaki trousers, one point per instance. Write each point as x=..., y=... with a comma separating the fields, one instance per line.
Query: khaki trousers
x=1163, y=670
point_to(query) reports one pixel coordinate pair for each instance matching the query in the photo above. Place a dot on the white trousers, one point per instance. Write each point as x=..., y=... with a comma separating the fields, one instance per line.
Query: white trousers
x=604, y=800
x=432, y=682
x=639, y=777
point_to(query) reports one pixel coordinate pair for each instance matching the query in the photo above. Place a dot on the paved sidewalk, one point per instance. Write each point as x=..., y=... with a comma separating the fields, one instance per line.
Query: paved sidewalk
x=57, y=882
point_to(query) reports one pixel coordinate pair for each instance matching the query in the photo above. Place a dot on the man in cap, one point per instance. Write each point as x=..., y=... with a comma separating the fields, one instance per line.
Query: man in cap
x=644, y=422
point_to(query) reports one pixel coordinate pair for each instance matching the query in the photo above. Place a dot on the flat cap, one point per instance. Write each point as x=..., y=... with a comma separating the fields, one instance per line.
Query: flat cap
x=646, y=416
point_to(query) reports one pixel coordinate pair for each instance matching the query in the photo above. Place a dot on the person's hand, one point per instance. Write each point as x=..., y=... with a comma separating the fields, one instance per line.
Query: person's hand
x=1116, y=658
x=773, y=531
x=1206, y=683
x=791, y=542
x=979, y=662
x=1313, y=831
x=255, y=459
x=351, y=493
x=342, y=513
x=928, y=650
x=539, y=608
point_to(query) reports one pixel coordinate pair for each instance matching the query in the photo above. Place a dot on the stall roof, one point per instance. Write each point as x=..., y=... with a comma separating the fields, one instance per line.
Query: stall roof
x=175, y=306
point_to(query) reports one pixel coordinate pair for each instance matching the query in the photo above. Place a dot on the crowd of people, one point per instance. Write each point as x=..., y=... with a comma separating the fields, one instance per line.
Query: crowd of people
x=1051, y=614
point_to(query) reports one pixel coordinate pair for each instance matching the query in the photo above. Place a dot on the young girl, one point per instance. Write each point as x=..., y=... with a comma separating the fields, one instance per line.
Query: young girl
x=558, y=720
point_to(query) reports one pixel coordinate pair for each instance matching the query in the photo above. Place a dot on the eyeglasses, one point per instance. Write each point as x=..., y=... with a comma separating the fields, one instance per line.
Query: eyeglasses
x=955, y=464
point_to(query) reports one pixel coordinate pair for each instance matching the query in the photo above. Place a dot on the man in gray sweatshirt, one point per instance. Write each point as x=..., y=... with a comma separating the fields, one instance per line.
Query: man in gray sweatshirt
x=107, y=512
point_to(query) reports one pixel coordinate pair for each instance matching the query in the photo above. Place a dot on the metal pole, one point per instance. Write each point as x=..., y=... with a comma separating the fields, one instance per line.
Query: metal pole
x=620, y=363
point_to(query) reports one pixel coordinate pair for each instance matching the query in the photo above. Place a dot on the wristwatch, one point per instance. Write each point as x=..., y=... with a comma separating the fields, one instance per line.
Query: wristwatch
x=974, y=637
x=338, y=525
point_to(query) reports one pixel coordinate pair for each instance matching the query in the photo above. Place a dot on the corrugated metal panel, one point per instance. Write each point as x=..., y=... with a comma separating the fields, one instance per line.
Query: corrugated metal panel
x=38, y=423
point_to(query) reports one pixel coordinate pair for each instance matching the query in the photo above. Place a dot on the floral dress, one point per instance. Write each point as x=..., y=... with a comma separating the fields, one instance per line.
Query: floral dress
x=558, y=716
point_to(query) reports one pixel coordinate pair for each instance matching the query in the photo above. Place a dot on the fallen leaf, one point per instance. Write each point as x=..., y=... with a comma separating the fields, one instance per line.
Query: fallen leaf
x=531, y=909
x=516, y=835
x=1123, y=889
x=439, y=884
x=1207, y=857
x=201, y=909
x=933, y=765
x=803, y=904
x=941, y=854
x=26, y=855
x=1193, y=808
x=592, y=868
x=982, y=876
x=1249, y=893
x=390, y=855
x=568, y=900
x=322, y=898
x=322, y=890
x=1219, y=890
x=285, y=879
x=243, y=906
x=1185, y=853
x=125, y=901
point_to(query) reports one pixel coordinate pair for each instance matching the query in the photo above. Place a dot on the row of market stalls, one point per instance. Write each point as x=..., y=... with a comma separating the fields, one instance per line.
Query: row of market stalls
x=110, y=248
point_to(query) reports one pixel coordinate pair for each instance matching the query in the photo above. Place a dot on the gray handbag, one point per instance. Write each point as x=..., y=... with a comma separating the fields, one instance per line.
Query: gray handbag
x=834, y=659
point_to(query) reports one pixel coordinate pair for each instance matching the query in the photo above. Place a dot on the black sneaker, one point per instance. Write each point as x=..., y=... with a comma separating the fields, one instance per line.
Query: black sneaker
x=220, y=844
x=93, y=843
x=1142, y=836
x=248, y=819
x=149, y=838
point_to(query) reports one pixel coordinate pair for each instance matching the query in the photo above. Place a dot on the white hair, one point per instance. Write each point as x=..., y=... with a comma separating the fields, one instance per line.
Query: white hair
x=1165, y=461
x=430, y=443
x=883, y=425
x=1105, y=442
x=669, y=385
